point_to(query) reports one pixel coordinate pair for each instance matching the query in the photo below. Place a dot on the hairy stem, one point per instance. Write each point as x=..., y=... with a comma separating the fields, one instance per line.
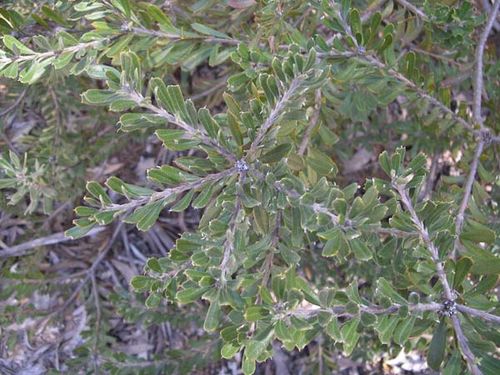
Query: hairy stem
x=377, y=310
x=479, y=314
x=171, y=191
x=312, y=123
x=413, y=9
x=449, y=294
x=465, y=200
x=274, y=115
x=478, y=74
x=197, y=133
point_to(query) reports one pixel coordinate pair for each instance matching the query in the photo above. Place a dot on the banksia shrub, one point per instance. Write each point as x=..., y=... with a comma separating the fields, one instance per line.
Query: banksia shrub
x=298, y=242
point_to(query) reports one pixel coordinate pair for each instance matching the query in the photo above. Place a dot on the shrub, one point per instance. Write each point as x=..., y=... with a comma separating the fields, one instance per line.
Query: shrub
x=291, y=245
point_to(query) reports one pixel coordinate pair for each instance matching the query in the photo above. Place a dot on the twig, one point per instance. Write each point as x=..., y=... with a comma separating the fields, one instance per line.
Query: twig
x=449, y=294
x=424, y=235
x=424, y=94
x=436, y=56
x=413, y=9
x=97, y=323
x=171, y=191
x=312, y=123
x=429, y=183
x=372, y=8
x=459, y=222
x=376, y=310
x=322, y=209
x=464, y=346
x=229, y=242
x=478, y=74
x=487, y=8
x=274, y=115
x=268, y=262
x=189, y=128
x=479, y=313
x=71, y=49
x=23, y=248
x=15, y=104
x=179, y=37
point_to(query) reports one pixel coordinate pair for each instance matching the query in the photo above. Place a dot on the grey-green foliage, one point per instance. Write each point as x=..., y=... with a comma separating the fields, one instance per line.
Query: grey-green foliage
x=272, y=211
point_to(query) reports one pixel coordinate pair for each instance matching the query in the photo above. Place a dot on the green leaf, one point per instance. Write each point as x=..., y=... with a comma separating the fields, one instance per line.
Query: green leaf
x=78, y=231
x=360, y=249
x=386, y=327
x=282, y=331
x=101, y=97
x=385, y=288
x=138, y=121
x=16, y=46
x=453, y=366
x=123, y=5
x=248, y=365
x=333, y=330
x=255, y=313
x=403, y=330
x=229, y=350
x=254, y=348
x=145, y=217
x=208, y=31
x=276, y=154
x=189, y=295
x=350, y=336
x=140, y=283
x=98, y=192
x=477, y=232
x=183, y=203
x=235, y=129
x=208, y=122
x=213, y=316
x=462, y=268
x=176, y=139
x=203, y=197
x=437, y=347
x=153, y=301
x=321, y=163
x=54, y=15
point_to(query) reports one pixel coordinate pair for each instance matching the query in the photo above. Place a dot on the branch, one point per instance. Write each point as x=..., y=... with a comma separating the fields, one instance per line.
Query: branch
x=44, y=55
x=478, y=76
x=464, y=346
x=449, y=294
x=179, y=37
x=410, y=84
x=320, y=208
x=424, y=235
x=275, y=114
x=467, y=192
x=376, y=310
x=413, y=9
x=372, y=8
x=229, y=241
x=312, y=123
x=22, y=249
x=268, y=262
x=171, y=191
x=479, y=313
x=193, y=132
